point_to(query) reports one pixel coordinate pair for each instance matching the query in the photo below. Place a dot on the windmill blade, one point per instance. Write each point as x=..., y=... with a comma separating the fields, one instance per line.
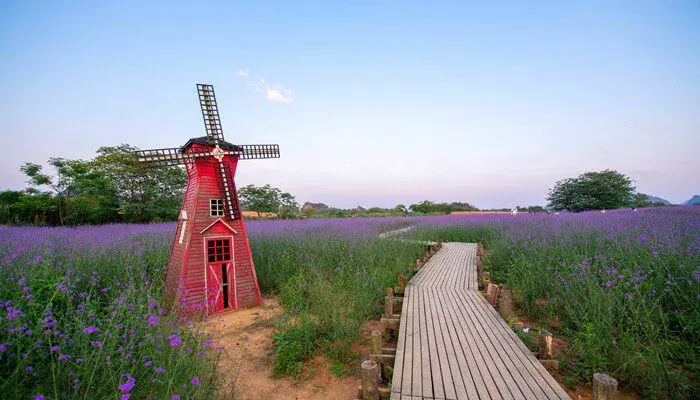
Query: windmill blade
x=258, y=151
x=162, y=157
x=210, y=112
x=227, y=189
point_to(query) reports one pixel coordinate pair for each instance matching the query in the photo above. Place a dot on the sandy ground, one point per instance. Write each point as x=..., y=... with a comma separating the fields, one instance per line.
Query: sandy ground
x=248, y=354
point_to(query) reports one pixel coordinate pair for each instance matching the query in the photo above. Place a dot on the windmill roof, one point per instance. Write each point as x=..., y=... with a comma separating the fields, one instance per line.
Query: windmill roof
x=208, y=141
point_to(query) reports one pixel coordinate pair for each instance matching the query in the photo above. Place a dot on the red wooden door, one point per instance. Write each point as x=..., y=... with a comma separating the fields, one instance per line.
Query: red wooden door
x=220, y=276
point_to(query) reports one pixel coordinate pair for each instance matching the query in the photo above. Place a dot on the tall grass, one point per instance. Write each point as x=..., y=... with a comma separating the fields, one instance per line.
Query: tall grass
x=623, y=287
x=80, y=317
x=330, y=285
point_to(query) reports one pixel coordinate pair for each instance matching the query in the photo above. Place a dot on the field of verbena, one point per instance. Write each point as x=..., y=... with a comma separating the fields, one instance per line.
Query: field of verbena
x=81, y=313
x=622, y=287
x=81, y=317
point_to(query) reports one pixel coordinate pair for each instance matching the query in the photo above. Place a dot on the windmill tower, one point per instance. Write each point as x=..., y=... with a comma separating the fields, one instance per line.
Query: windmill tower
x=211, y=266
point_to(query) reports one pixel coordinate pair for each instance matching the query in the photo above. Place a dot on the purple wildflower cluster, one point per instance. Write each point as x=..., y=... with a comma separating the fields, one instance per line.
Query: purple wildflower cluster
x=80, y=306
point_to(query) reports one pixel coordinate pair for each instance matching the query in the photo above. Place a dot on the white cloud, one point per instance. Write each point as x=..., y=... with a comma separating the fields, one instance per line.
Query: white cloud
x=274, y=95
x=273, y=92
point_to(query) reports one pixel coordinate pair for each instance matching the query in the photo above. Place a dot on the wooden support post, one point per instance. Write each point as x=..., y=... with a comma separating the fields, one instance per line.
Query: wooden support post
x=370, y=380
x=545, y=341
x=401, y=283
x=389, y=304
x=492, y=293
x=485, y=278
x=604, y=387
x=376, y=340
x=505, y=308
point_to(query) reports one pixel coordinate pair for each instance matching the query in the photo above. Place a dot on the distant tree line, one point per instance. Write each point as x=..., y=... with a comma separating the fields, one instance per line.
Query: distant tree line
x=115, y=187
x=112, y=187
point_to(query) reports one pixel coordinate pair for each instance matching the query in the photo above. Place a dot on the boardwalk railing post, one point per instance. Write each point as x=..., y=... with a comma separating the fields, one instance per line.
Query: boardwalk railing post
x=401, y=283
x=389, y=303
x=492, y=293
x=604, y=387
x=505, y=308
x=370, y=380
x=545, y=341
x=376, y=341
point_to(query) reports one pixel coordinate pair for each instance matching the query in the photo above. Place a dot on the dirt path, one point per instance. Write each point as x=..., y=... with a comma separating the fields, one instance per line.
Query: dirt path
x=248, y=355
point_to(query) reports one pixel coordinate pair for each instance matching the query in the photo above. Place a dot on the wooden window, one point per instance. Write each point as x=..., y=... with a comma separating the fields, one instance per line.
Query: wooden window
x=219, y=250
x=216, y=207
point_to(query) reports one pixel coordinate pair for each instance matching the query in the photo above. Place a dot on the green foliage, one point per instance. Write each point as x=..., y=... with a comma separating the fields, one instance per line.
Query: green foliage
x=144, y=193
x=329, y=285
x=592, y=191
x=294, y=343
x=428, y=207
x=268, y=199
x=113, y=187
x=640, y=200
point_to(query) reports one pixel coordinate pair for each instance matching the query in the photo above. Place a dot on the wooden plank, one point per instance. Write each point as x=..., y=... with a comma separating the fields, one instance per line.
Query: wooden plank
x=464, y=384
x=416, y=381
x=513, y=381
x=435, y=371
x=408, y=348
x=520, y=354
x=426, y=370
x=400, y=350
x=490, y=374
x=442, y=355
x=453, y=345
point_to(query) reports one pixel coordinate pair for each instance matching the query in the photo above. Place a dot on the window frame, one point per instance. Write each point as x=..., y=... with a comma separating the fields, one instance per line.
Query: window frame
x=216, y=207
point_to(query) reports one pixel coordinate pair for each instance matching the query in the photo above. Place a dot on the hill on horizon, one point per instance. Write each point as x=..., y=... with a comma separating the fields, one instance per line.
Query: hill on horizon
x=692, y=201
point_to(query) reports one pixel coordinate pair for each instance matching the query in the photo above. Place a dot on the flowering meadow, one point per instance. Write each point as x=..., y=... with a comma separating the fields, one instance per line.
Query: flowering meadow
x=80, y=317
x=622, y=287
x=81, y=314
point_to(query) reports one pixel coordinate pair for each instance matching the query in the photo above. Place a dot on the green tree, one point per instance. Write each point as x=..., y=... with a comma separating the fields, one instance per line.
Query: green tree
x=145, y=193
x=592, y=191
x=400, y=210
x=424, y=207
x=266, y=199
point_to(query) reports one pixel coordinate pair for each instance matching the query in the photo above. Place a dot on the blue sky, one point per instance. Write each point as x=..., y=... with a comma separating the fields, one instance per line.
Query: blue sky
x=372, y=103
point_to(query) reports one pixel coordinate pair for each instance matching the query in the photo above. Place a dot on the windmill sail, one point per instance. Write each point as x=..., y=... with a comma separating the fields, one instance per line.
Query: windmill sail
x=212, y=125
x=210, y=112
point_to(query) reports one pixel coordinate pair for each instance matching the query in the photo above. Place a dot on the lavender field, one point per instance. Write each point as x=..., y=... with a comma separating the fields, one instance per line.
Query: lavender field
x=81, y=314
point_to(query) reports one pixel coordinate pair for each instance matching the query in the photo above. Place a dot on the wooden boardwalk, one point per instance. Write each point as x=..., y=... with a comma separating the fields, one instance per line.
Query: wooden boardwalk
x=454, y=345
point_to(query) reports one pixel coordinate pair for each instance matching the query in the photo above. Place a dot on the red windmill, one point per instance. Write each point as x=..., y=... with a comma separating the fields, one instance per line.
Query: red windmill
x=211, y=266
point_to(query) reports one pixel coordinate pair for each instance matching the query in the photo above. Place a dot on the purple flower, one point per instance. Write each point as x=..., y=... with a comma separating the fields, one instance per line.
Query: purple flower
x=175, y=340
x=128, y=385
x=160, y=370
x=62, y=357
x=152, y=320
x=629, y=296
x=29, y=368
x=175, y=397
x=195, y=381
x=39, y=397
x=90, y=329
x=125, y=396
x=54, y=348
